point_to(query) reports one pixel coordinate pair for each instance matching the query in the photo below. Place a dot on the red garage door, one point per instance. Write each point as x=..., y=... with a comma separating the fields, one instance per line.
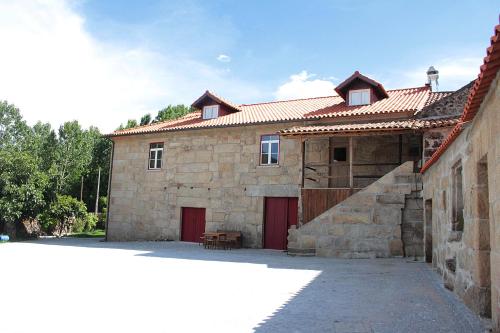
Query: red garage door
x=193, y=224
x=280, y=214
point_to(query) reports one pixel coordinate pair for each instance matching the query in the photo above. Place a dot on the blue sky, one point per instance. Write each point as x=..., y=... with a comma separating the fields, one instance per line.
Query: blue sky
x=120, y=59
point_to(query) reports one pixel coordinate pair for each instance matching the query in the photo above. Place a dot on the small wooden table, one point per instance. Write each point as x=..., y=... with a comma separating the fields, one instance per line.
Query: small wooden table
x=213, y=239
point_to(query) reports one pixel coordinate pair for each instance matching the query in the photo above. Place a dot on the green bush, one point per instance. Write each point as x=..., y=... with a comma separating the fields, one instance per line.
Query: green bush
x=90, y=221
x=87, y=222
x=63, y=215
x=103, y=203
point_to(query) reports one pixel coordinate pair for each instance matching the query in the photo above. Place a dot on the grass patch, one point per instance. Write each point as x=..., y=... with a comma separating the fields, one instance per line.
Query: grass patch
x=89, y=234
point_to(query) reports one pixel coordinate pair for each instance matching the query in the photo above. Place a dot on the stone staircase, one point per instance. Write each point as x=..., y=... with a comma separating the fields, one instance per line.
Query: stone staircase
x=369, y=224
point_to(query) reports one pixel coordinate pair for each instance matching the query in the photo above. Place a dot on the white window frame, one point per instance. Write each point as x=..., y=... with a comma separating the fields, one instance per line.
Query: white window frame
x=268, y=143
x=157, y=162
x=360, y=91
x=210, y=111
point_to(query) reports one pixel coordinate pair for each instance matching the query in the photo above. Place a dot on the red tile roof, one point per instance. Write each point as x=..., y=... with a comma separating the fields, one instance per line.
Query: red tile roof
x=437, y=95
x=341, y=88
x=213, y=96
x=408, y=100
x=384, y=126
x=487, y=73
x=404, y=101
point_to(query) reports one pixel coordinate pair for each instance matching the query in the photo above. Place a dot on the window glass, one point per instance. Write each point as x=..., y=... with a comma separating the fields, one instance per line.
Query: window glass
x=269, y=149
x=210, y=112
x=264, y=158
x=155, y=155
x=359, y=97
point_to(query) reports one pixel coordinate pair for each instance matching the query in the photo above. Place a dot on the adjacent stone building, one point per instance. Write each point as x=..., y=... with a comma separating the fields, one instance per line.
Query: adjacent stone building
x=462, y=196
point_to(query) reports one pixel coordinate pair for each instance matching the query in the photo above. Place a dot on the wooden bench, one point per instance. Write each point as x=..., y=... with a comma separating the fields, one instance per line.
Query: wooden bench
x=233, y=239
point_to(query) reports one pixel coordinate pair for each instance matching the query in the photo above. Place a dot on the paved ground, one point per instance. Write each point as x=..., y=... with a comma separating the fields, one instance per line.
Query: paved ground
x=81, y=285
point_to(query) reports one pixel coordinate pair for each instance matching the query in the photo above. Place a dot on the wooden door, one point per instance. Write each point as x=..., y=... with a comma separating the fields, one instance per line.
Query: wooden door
x=193, y=224
x=280, y=214
x=339, y=162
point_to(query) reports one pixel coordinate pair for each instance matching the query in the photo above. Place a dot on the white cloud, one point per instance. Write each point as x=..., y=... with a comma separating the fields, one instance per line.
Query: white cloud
x=224, y=58
x=54, y=70
x=302, y=85
x=453, y=73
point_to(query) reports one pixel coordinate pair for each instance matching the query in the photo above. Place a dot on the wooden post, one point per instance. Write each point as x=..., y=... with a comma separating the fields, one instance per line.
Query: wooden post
x=303, y=159
x=351, y=182
x=330, y=161
x=97, y=194
x=400, y=152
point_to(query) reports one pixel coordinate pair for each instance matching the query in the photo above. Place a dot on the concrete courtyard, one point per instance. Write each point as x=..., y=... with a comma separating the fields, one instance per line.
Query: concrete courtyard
x=83, y=285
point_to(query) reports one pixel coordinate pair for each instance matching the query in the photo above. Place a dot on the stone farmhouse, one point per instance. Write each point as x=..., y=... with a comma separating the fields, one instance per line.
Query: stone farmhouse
x=462, y=196
x=328, y=176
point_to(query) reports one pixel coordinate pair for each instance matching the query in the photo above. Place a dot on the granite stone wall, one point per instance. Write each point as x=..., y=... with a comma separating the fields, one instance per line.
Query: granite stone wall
x=216, y=169
x=469, y=259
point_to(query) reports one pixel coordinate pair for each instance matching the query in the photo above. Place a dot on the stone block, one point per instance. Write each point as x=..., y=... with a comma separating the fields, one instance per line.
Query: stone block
x=413, y=215
x=307, y=242
x=391, y=198
x=387, y=215
x=396, y=247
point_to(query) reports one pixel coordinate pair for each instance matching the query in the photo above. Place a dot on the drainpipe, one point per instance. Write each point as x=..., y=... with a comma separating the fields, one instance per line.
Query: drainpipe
x=109, y=189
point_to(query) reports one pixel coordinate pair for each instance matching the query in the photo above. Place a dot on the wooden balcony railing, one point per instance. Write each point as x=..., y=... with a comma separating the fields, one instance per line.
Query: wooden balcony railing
x=315, y=201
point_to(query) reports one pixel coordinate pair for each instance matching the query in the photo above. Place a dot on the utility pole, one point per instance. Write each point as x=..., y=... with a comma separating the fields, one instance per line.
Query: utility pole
x=81, y=190
x=97, y=195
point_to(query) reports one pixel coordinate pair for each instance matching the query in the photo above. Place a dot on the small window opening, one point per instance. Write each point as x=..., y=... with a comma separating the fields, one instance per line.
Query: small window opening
x=210, y=111
x=359, y=97
x=458, y=199
x=340, y=154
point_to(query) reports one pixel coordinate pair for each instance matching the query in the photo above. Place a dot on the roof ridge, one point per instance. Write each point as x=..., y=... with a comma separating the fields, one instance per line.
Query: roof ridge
x=330, y=96
x=289, y=100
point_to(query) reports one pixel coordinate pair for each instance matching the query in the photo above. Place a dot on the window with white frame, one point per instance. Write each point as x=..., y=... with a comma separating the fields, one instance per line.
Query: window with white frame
x=155, y=155
x=269, y=149
x=210, y=111
x=359, y=97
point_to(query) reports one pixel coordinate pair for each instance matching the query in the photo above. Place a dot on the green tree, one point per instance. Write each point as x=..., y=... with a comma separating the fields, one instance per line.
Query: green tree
x=146, y=119
x=173, y=112
x=43, y=145
x=130, y=123
x=72, y=156
x=13, y=129
x=101, y=154
x=22, y=187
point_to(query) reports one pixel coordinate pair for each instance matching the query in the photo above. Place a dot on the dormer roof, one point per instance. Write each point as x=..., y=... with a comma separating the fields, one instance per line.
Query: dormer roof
x=209, y=97
x=343, y=88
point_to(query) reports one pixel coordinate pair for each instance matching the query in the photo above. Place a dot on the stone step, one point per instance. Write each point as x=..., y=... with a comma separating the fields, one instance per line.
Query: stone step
x=408, y=178
x=296, y=252
x=352, y=217
x=391, y=198
x=360, y=199
x=401, y=188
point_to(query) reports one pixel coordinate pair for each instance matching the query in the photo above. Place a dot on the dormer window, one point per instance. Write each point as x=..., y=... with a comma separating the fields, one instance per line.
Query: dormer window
x=359, y=97
x=210, y=111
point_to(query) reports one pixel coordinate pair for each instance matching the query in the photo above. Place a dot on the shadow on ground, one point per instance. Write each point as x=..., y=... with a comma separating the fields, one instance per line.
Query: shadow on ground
x=382, y=295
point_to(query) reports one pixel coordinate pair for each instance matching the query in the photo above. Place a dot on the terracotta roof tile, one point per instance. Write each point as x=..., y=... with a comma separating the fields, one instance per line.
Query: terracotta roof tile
x=402, y=100
x=487, y=73
x=397, y=125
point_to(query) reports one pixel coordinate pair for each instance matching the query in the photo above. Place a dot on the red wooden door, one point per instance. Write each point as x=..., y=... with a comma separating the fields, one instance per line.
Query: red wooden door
x=193, y=224
x=280, y=214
